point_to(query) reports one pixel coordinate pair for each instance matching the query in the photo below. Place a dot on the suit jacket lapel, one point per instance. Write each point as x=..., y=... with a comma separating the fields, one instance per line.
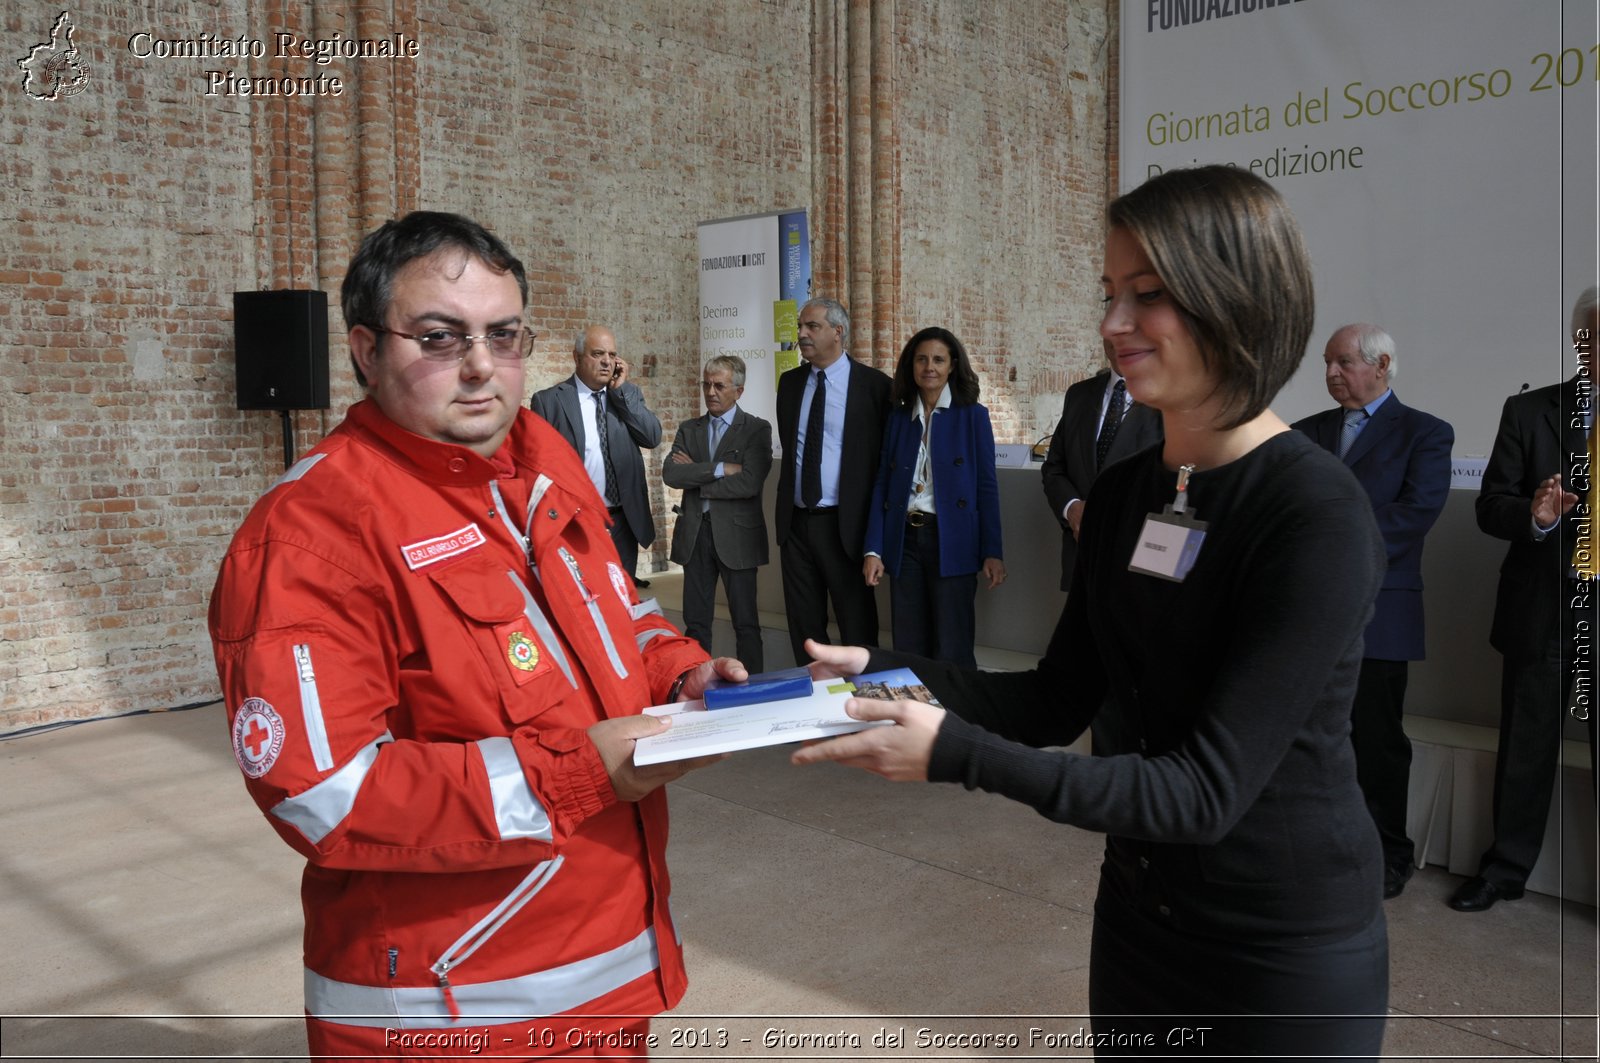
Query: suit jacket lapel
x=701, y=440
x=572, y=406
x=1325, y=429
x=1129, y=437
x=1383, y=422
x=1569, y=428
x=733, y=432
x=1084, y=442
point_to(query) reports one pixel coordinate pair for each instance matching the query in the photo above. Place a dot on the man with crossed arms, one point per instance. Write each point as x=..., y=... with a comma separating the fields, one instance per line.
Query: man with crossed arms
x=720, y=461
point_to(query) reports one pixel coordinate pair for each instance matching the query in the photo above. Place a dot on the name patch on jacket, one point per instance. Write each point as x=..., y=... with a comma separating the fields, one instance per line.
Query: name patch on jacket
x=443, y=547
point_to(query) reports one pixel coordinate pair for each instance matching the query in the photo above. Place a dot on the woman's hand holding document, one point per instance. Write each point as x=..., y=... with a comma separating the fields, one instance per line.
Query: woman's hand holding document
x=811, y=710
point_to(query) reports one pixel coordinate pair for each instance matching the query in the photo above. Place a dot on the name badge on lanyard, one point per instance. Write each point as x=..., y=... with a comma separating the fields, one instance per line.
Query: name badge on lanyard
x=1169, y=543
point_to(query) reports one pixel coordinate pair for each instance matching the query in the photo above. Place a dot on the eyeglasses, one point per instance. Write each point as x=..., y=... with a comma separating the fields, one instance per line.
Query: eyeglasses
x=447, y=345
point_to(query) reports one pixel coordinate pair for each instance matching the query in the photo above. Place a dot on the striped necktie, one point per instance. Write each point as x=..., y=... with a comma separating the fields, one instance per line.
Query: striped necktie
x=604, y=431
x=1353, y=420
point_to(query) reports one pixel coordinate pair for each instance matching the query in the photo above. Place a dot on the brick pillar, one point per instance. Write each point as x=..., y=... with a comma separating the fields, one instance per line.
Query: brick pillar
x=332, y=168
x=855, y=222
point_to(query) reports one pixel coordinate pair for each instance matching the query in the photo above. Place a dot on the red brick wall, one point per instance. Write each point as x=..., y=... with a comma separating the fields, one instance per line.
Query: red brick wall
x=1003, y=138
x=592, y=136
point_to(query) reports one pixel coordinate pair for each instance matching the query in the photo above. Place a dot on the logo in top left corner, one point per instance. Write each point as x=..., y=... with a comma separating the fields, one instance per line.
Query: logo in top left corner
x=55, y=69
x=257, y=737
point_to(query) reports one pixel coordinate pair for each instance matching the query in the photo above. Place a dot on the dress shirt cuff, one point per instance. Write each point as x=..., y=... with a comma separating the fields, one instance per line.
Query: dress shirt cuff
x=717, y=471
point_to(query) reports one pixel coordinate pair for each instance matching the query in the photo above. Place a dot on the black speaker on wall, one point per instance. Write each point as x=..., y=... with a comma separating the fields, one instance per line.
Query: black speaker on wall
x=280, y=342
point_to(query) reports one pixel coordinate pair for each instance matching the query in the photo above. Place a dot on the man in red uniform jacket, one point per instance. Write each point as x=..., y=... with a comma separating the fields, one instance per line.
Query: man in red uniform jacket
x=433, y=663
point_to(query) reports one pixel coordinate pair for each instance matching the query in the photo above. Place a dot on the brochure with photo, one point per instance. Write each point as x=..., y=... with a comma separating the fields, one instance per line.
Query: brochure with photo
x=697, y=733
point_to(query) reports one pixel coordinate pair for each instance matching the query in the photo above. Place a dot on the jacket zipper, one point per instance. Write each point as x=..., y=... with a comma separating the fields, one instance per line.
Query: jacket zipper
x=489, y=925
x=311, y=709
x=592, y=601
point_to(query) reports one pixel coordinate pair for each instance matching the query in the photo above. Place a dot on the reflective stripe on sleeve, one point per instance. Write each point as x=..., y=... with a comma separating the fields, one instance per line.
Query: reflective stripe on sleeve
x=299, y=469
x=645, y=636
x=530, y=996
x=517, y=813
x=320, y=809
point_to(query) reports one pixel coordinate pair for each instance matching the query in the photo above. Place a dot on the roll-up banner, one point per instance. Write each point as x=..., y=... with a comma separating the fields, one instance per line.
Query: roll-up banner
x=755, y=272
x=1439, y=154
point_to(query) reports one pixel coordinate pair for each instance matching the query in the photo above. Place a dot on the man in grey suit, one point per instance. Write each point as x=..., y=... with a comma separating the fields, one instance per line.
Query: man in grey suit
x=599, y=394
x=1100, y=423
x=719, y=462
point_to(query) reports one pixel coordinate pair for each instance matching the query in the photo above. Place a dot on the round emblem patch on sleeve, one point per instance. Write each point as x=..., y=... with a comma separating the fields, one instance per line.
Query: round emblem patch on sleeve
x=257, y=737
x=620, y=583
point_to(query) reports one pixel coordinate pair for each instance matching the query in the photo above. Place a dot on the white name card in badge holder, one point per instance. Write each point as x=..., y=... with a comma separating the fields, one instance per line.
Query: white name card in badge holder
x=1170, y=541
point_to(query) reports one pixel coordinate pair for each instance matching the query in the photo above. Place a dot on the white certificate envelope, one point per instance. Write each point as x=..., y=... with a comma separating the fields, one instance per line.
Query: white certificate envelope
x=697, y=732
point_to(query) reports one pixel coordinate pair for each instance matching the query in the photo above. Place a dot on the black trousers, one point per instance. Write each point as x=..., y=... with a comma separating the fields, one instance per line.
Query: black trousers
x=1533, y=710
x=932, y=615
x=1383, y=753
x=817, y=569
x=622, y=537
x=700, y=598
x=1154, y=992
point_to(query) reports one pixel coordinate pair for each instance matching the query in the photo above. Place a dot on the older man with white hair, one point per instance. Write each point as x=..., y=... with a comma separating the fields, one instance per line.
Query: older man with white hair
x=1401, y=456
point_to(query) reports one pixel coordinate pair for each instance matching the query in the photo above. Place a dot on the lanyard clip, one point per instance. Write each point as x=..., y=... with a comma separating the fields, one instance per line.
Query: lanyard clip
x=1180, y=501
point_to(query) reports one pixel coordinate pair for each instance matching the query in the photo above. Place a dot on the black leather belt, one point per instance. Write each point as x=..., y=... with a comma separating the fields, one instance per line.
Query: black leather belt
x=816, y=510
x=918, y=519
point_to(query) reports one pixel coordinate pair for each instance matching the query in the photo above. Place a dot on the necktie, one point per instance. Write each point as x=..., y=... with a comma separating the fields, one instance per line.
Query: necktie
x=1108, y=427
x=604, y=430
x=717, y=427
x=811, y=461
x=1353, y=420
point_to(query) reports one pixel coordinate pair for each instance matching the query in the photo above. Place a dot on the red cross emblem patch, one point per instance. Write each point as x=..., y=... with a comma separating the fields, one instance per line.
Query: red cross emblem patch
x=522, y=651
x=257, y=737
x=620, y=583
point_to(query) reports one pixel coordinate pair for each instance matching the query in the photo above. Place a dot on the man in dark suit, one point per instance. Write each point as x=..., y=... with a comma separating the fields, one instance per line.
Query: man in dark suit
x=719, y=462
x=599, y=394
x=1535, y=495
x=1401, y=456
x=830, y=459
x=1100, y=423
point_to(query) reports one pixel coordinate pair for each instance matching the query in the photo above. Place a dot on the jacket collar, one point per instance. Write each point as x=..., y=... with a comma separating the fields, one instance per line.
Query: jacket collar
x=436, y=462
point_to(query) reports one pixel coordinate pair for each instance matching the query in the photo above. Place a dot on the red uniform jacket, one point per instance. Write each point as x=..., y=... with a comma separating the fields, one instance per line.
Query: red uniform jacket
x=412, y=640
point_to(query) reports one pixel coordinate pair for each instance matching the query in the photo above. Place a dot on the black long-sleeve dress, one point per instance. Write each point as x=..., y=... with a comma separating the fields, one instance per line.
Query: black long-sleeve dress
x=1222, y=771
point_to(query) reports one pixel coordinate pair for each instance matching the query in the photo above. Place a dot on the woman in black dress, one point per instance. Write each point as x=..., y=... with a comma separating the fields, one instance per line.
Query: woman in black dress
x=1212, y=637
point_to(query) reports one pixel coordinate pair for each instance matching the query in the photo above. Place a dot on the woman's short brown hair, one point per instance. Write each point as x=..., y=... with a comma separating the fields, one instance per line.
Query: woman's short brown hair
x=1231, y=256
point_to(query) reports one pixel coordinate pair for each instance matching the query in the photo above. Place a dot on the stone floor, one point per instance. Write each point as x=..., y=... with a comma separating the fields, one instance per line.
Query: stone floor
x=140, y=886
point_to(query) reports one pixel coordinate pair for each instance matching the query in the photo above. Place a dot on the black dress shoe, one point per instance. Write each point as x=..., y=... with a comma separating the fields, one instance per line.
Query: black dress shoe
x=1395, y=877
x=1478, y=894
x=637, y=582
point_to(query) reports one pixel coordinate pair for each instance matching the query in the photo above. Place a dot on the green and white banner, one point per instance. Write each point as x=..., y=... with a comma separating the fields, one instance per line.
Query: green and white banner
x=753, y=270
x=1440, y=155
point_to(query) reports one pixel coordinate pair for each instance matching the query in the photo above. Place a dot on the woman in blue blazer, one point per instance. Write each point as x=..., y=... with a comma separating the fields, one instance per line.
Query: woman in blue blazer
x=934, y=521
